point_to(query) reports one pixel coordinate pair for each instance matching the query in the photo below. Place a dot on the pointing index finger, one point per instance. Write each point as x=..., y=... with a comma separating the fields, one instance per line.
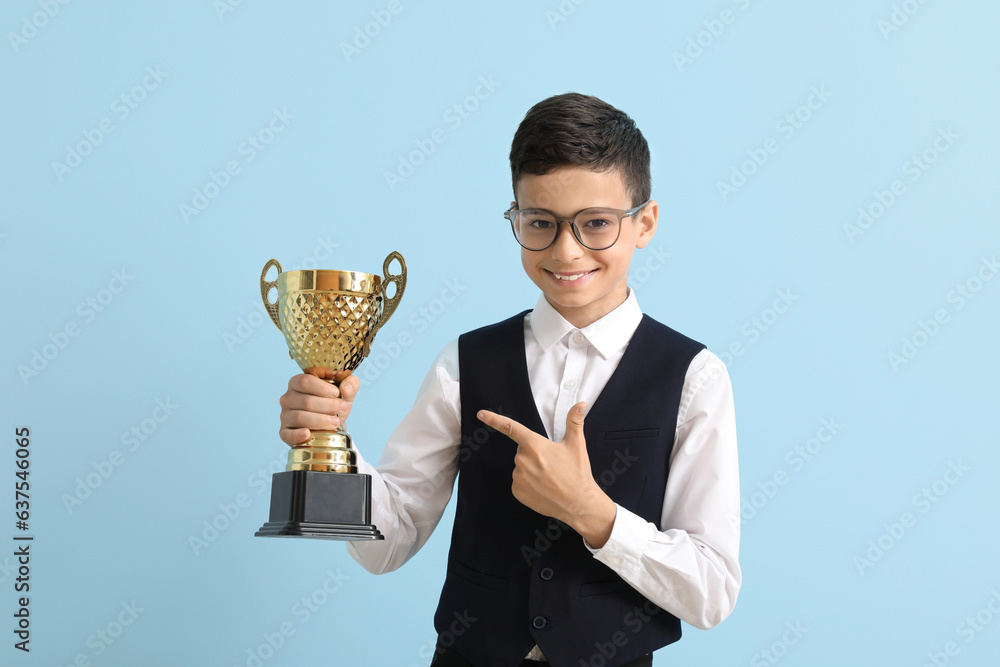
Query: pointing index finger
x=505, y=425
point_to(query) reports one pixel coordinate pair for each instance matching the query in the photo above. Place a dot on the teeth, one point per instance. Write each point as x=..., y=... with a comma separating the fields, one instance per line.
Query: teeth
x=575, y=276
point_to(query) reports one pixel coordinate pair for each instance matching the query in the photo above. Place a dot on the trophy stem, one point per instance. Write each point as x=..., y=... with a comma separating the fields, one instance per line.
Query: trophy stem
x=325, y=451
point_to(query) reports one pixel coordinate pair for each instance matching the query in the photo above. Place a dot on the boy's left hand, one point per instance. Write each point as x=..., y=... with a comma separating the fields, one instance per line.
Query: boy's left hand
x=555, y=479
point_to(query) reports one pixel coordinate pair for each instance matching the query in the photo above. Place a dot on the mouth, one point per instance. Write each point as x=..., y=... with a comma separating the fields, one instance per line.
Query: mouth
x=569, y=278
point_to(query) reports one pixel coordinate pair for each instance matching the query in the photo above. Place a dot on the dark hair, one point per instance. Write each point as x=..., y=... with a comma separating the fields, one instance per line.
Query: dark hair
x=575, y=129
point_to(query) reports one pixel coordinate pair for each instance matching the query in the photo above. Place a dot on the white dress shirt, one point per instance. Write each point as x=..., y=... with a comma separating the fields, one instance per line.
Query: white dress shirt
x=687, y=565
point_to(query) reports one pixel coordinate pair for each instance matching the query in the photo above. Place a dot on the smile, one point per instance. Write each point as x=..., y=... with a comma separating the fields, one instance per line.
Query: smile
x=570, y=277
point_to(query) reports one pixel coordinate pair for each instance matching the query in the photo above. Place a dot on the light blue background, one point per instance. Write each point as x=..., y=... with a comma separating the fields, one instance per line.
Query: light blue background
x=187, y=327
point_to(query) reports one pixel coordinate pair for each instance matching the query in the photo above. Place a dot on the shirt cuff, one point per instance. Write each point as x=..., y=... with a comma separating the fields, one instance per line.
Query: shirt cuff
x=629, y=536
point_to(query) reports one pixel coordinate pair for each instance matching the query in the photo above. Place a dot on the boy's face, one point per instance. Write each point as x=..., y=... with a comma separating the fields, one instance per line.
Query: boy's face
x=590, y=283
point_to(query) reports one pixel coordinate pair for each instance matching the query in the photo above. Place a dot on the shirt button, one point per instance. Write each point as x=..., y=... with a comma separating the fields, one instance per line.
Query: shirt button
x=546, y=573
x=539, y=622
x=579, y=338
x=569, y=385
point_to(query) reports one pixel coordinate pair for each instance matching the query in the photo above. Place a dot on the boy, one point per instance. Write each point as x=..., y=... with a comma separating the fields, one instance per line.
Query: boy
x=581, y=536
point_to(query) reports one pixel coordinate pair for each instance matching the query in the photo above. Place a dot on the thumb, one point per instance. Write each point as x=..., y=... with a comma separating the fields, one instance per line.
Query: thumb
x=574, y=424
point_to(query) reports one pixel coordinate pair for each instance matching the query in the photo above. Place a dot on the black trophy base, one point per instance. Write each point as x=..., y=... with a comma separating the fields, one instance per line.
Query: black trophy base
x=320, y=505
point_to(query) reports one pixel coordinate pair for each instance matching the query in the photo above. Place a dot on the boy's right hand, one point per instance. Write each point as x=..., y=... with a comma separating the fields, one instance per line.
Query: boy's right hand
x=311, y=403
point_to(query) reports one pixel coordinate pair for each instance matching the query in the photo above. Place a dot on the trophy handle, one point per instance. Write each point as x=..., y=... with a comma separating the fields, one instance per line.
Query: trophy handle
x=265, y=288
x=389, y=303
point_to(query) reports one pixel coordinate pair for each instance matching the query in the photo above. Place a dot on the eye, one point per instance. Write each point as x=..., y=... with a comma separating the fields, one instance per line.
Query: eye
x=537, y=220
x=597, y=223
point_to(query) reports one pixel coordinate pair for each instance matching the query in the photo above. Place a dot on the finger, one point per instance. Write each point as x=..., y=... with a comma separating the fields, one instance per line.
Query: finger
x=349, y=387
x=322, y=372
x=309, y=403
x=312, y=420
x=574, y=423
x=294, y=436
x=510, y=428
x=305, y=383
x=295, y=401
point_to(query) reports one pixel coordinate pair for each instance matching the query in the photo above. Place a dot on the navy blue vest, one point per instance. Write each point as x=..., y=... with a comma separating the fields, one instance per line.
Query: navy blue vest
x=516, y=578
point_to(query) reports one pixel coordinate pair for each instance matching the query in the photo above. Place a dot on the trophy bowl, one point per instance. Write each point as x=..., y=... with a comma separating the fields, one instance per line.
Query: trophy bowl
x=329, y=320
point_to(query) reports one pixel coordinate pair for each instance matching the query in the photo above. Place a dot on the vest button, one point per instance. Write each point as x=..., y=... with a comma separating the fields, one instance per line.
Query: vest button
x=539, y=622
x=546, y=573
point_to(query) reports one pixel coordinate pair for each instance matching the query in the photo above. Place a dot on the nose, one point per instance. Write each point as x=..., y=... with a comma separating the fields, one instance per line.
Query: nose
x=565, y=248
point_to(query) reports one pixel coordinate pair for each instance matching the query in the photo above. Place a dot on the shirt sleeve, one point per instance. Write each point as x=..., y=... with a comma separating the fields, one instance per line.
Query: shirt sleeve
x=689, y=564
x=413, y=482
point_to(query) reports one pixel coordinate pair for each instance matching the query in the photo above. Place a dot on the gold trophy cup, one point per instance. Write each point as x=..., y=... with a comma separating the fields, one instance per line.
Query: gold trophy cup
x=329, y=319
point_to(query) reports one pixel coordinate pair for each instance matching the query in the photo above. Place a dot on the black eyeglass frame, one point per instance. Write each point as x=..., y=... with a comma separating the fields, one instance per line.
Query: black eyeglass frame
x=512, y=212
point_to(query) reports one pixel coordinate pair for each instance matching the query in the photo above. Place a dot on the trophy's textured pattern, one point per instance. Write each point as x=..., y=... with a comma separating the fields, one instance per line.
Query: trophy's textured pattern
x=327, y=329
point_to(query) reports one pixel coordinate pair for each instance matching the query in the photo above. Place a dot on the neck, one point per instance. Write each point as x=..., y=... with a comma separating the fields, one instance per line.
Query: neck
x=583, y=316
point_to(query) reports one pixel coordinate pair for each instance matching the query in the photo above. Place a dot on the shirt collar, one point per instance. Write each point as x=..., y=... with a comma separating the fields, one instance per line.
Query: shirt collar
x=608, y=335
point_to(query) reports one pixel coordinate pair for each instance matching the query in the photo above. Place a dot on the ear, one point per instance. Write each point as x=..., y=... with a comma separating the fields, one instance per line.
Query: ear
x=646, y=222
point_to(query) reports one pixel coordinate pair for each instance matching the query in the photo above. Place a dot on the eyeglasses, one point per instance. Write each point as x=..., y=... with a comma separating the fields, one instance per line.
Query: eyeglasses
x=594, y=228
